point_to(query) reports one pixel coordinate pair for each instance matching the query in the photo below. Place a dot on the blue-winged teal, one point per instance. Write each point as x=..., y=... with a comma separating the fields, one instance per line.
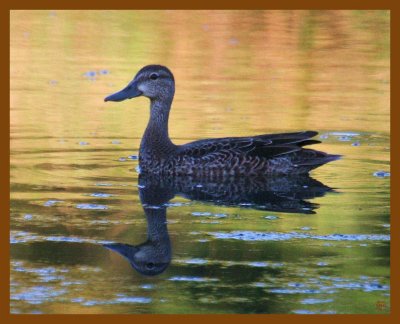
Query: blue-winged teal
x=237, y=156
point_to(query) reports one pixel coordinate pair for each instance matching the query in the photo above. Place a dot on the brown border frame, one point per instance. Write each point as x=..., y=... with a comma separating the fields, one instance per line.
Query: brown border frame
x=7, y=5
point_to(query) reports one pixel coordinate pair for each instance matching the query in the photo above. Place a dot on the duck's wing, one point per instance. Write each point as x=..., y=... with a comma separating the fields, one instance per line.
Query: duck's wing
x=266, y=146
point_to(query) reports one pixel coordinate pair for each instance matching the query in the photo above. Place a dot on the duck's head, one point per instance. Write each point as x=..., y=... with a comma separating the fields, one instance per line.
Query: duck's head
x=147, y=258
x=152, y=81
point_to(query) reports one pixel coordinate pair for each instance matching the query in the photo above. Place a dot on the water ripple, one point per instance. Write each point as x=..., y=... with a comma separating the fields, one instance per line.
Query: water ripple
x=276, y=236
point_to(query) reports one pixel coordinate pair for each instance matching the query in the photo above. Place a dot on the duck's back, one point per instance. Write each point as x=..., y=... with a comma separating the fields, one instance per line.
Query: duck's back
x=237, y=156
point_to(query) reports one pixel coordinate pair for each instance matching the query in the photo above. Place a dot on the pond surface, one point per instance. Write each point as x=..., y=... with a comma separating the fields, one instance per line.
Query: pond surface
x=87, y=233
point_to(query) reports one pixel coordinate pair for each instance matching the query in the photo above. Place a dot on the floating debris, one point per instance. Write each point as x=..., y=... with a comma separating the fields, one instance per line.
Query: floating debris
x=381, y=174
x=133, y=157
x=122, y=159
x=175, y=204
x=83, y=143
x=195, y=261
x=220, y=215
x=194, y=279
x=309, y=312
x=271, y=217
x=356, y=144
x=49, y=203
x=147, y=286
x=103, y=184
x=90, y=74
x=258, y=264
x=350, y=134
x=201, y=214
x=306, y=228
x=28, y=216
x=233, y=41
x=259, y=284
x=341, y=136
x=91, y=206
x=276, y=236
x=140, y=300
x=100, y=195
x=37, y=295
x=115, y=142
x=53, y=82
x=210, y=222
x=152, y=206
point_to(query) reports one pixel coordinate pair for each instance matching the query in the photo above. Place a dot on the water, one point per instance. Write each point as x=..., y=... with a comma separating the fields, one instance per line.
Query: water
x=299, y=245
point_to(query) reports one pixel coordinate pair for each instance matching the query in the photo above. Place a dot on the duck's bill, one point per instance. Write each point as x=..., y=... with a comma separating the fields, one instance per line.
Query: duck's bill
x=131, y=91
x=124, y=249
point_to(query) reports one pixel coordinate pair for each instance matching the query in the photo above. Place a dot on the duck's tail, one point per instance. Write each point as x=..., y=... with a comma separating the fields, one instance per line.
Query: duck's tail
x=311, y=159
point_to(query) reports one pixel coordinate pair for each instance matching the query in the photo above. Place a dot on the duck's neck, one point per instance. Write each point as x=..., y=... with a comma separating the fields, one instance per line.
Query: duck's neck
x=156, y=138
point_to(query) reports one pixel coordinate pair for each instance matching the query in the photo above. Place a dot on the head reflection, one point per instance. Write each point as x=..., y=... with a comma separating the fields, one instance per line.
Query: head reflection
x=278, y=194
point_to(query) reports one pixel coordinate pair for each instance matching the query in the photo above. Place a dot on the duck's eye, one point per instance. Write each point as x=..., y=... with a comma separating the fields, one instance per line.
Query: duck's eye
x=154, y=76
x=150, y=265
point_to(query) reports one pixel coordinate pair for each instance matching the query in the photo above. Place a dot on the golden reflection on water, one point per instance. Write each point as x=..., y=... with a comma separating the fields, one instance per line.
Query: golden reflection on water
x=237, y=73
x=272, y=70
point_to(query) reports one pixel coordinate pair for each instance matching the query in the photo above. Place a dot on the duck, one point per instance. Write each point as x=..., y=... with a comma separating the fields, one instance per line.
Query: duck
x=267, y=154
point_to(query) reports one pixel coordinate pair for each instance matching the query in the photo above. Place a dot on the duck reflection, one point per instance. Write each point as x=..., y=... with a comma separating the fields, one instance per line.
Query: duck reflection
x=278, y=194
